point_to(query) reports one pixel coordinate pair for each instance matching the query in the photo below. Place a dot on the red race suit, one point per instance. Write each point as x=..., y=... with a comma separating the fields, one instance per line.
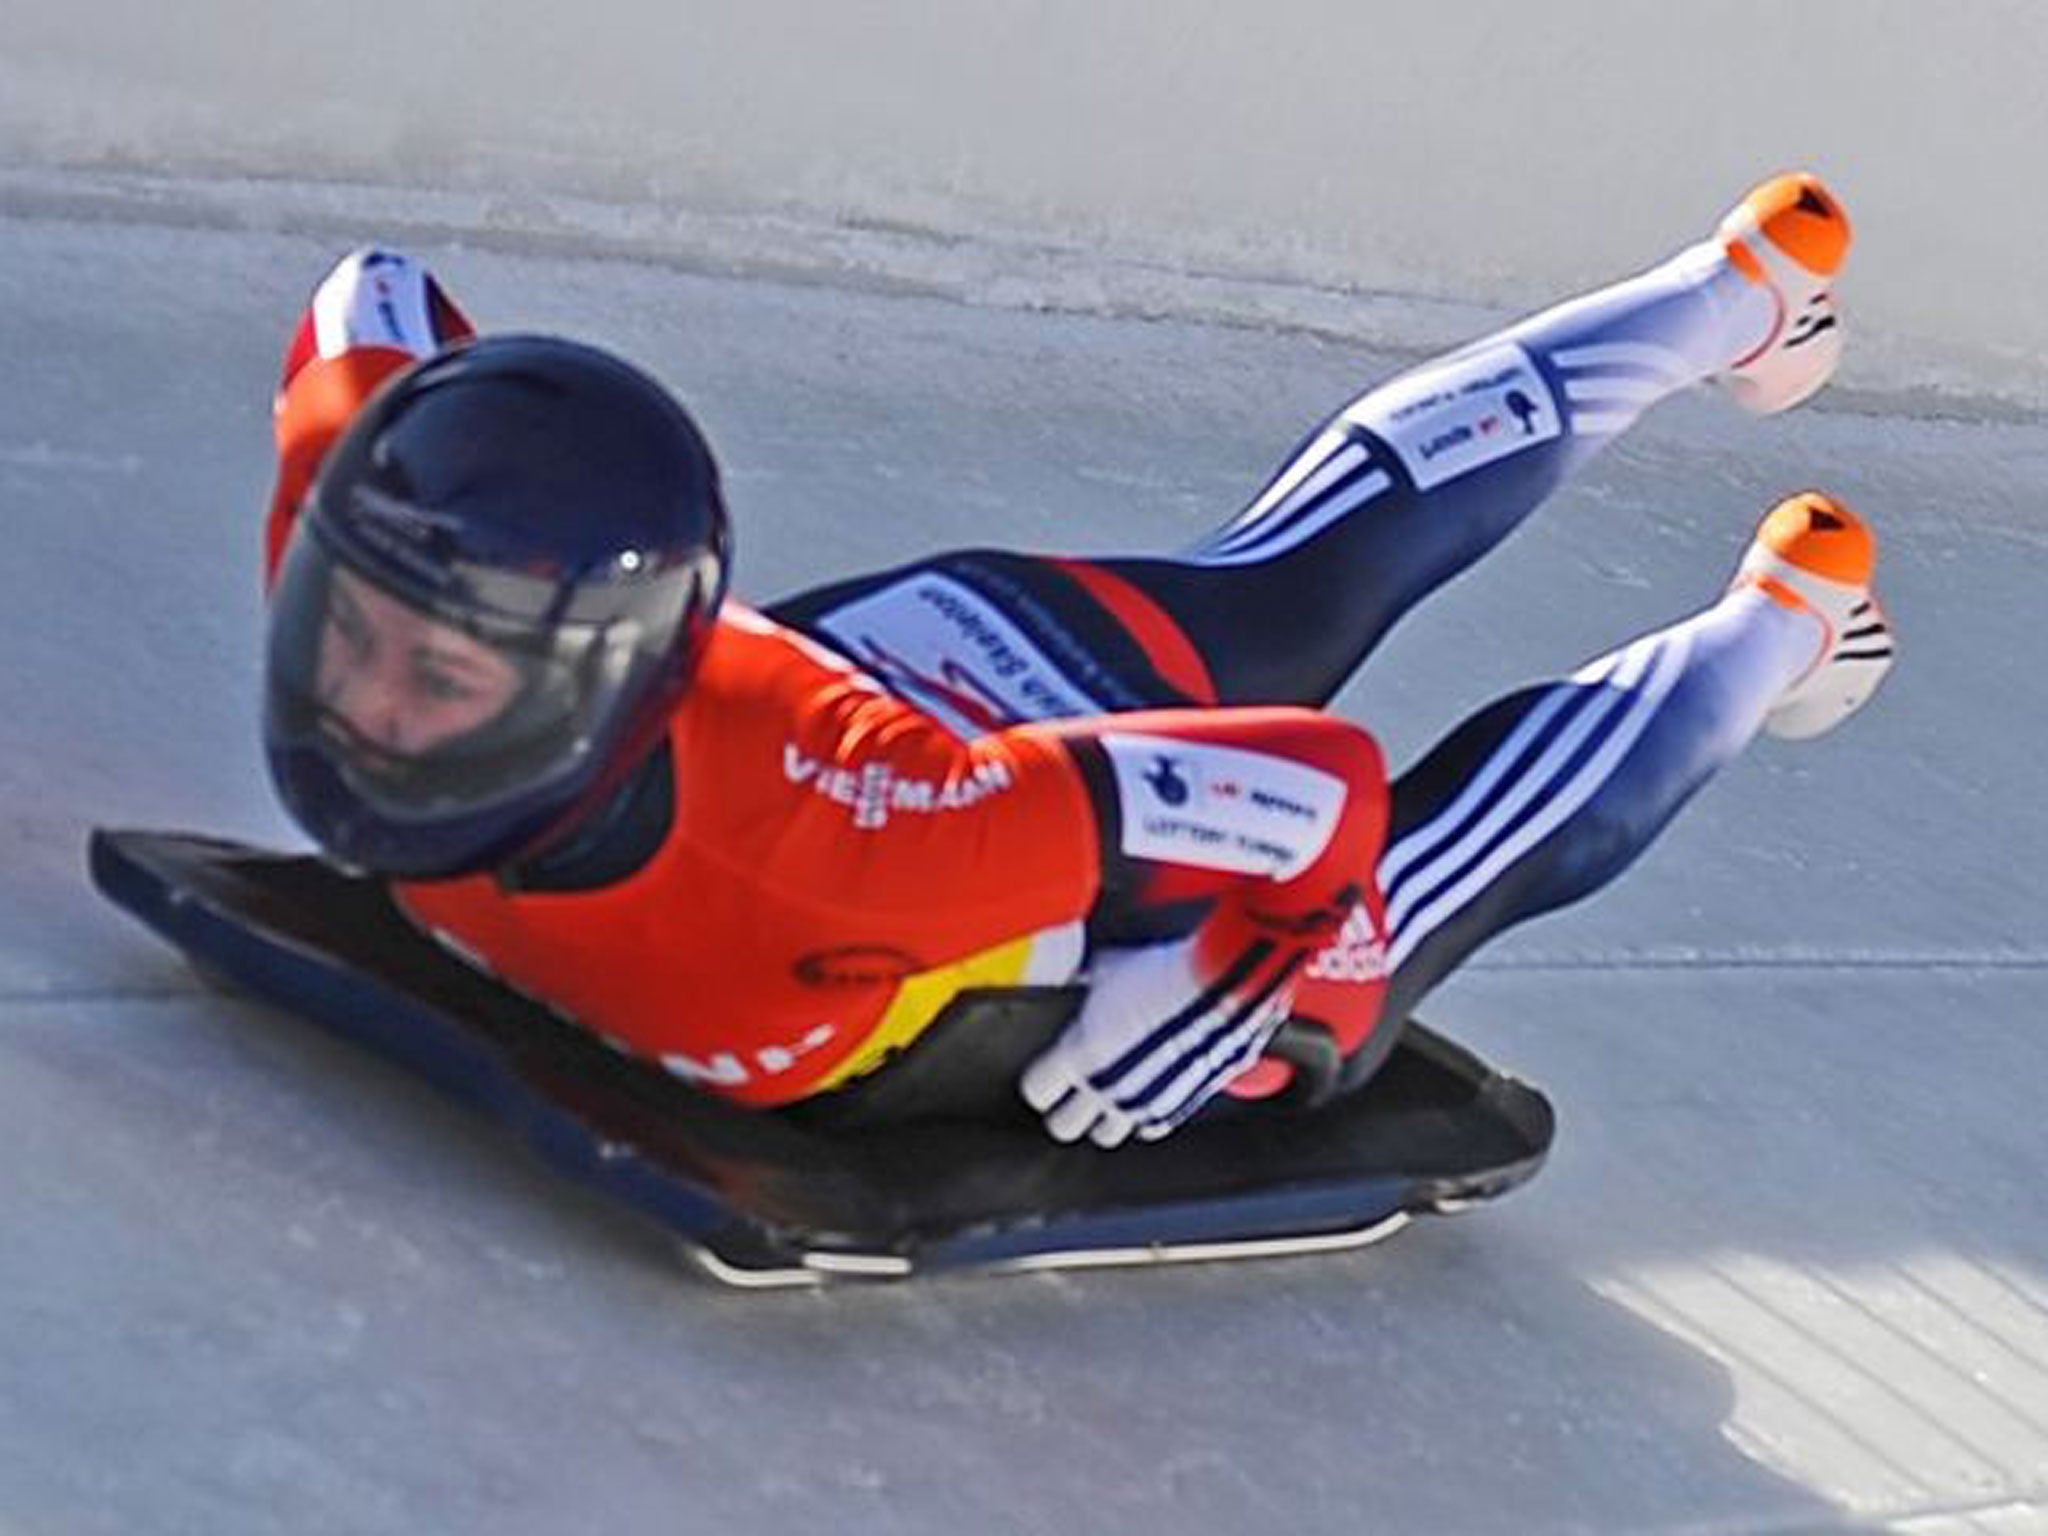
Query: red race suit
x=842, y=862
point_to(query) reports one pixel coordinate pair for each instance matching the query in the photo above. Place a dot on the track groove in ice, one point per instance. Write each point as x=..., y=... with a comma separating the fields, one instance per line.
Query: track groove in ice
x=1764, y=960
x=66, y=996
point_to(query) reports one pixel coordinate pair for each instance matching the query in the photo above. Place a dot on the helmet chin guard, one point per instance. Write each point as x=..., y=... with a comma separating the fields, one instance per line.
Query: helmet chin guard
x=525, y=511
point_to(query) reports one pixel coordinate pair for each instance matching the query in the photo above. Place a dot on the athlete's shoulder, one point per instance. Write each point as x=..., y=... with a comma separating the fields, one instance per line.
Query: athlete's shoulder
x=749, y=648
x=852, y=777
x=760, y=678
x=758, y=674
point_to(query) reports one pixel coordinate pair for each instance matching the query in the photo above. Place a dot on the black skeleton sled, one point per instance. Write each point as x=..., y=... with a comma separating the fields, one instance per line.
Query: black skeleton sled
x=931, y=1165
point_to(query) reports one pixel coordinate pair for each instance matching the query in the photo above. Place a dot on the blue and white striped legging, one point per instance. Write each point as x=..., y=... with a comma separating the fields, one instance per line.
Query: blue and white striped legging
x=1542, y=796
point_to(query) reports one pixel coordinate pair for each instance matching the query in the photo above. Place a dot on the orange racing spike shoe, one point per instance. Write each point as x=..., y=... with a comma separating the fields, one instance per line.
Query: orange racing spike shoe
x=1814, y=554
x=1790, y=237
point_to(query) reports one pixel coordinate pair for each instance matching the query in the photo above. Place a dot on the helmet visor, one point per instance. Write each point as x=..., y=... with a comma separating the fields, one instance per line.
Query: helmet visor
x=423, y=714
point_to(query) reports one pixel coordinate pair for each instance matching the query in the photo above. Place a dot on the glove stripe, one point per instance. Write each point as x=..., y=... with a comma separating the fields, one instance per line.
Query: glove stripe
x=1191, y=1081
x=1243, y=1025
x=1254, y=956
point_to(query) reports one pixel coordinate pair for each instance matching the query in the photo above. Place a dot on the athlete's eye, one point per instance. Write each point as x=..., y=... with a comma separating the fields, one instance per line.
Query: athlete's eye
x=443, y=687
x=354, y=630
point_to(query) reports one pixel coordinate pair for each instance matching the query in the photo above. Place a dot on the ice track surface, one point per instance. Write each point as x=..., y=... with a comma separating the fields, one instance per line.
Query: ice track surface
x=1787, y=1270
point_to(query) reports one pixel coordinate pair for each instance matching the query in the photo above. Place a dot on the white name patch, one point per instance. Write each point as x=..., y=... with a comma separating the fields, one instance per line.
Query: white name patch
x=1221, y=807
x=954, y=654
x=1448, y=419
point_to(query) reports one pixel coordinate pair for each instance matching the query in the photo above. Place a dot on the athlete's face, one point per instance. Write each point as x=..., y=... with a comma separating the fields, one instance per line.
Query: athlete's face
x=402, y=682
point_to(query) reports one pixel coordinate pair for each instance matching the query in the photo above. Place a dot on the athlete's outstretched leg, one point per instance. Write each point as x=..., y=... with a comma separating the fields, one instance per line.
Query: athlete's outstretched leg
x=1401, y=490
x=1414, y=481
x=1546, y=795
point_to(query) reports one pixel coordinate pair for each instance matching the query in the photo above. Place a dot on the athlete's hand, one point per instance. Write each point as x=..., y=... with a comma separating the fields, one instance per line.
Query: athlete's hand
x=1153, y=1043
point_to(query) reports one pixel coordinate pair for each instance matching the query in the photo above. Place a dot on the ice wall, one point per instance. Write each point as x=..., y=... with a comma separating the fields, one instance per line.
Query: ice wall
x=1490, y=152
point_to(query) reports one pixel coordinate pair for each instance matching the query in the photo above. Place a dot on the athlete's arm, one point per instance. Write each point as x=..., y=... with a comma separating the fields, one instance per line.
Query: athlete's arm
x=1277, y=815
x=377, y=312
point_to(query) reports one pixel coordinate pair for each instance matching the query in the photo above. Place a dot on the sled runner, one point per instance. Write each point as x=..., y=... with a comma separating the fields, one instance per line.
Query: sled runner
x=931, y=1165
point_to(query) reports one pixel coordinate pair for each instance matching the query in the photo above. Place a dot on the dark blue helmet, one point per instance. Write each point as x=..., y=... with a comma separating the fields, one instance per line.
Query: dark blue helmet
x=498, y=589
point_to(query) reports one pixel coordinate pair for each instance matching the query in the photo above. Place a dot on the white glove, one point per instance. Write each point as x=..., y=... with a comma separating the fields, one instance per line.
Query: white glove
x=1154, y=1042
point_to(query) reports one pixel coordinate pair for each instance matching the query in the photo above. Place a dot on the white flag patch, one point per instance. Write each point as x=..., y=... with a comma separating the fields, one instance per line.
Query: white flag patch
x=1221, y=807
x=1447, y=419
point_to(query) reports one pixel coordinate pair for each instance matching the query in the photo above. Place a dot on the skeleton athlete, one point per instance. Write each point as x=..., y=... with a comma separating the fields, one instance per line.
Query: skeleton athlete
x=765, y=847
